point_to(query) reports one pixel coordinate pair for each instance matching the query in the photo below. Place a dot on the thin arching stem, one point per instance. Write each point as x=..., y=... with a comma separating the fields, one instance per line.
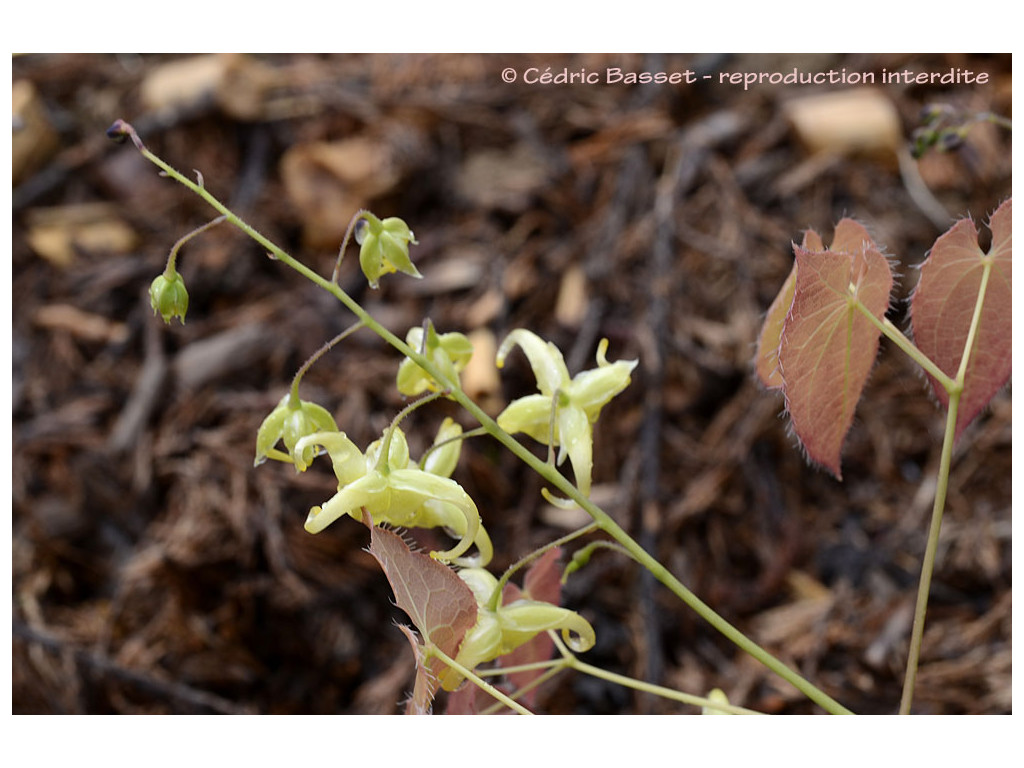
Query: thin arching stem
x=360, y=215
x=294, y=393
x=173, y=255
x=385, y=449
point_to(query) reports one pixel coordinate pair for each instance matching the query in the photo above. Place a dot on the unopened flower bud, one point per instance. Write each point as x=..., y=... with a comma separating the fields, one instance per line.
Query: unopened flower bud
x=168, y=296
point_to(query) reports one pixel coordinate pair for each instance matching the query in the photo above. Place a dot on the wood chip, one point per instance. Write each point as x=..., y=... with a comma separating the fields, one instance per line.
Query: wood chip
x=34, y=139
x=858, y=121
x=58, y=234
x=81, y=324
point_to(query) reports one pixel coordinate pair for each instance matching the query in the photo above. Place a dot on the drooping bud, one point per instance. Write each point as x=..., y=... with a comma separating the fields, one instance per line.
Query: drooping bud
x=168, y=296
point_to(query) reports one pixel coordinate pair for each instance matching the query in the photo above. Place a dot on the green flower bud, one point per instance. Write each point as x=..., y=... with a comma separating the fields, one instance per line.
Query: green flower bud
x=168, y=297
x=384, y=248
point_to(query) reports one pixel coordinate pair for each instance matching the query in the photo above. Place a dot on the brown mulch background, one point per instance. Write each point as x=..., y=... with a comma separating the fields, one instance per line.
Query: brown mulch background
x=156, y=571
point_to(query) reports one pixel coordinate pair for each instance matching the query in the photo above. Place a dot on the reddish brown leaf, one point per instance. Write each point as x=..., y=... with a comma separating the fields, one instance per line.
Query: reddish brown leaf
x=943, y=305
x=439, y=603
x=828, y=346
x=767, y=360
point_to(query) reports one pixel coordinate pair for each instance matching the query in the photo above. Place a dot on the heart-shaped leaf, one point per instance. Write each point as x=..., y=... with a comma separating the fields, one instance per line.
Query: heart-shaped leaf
x=827, y=345
x=943, y=306
x=439, y=603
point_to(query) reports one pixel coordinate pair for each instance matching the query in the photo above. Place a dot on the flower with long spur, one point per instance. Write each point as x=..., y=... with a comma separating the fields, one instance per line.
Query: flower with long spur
x=382, y=482
x=564, y=412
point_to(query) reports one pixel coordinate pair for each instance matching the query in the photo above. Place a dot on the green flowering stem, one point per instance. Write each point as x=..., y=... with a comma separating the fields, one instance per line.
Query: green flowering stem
x=657, y=690
x=555, y=667
x=571, y=661
x=432, y=650
x=500, y=671
x=549, y=473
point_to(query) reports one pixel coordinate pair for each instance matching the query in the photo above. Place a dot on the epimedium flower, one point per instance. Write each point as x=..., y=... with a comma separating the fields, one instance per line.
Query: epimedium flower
x=564, y=412
x=382, y=482
x=502, y=630
x=292, y=420
x=448, y=351
x=384, y=247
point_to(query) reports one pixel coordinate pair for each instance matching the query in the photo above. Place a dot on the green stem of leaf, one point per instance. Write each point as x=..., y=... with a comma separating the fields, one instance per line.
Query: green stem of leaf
x=896, y=336
x=972, y=333
x=549, y=473
x=928, y=563
x=954, y=390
